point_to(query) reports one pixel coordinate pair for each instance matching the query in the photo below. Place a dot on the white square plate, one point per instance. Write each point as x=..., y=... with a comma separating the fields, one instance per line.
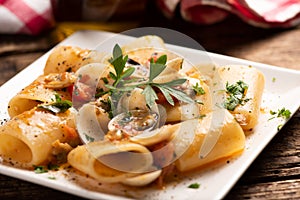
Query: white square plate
x=281, y=89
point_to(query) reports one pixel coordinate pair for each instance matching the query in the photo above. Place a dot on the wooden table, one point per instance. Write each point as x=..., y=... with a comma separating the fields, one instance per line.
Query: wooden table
x=273, y=175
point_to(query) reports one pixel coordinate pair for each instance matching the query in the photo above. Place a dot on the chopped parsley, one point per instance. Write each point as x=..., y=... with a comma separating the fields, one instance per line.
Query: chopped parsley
x=40, y=169
x=236, y=95
x=281, y=113
x=89, y=138
x=194, y=186
x=198, y=89
x=58, y=106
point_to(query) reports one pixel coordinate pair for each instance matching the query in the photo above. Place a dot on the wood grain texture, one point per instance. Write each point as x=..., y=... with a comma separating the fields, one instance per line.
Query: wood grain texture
x=273, y=175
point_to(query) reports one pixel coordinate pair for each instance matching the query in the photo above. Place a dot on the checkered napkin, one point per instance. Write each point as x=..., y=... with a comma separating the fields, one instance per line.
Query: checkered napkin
x=25, y=16
x=262, y=13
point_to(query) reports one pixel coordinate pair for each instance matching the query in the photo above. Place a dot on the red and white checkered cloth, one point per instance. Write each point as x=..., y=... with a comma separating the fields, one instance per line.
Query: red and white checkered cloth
x=25, y=16
x=262, y=13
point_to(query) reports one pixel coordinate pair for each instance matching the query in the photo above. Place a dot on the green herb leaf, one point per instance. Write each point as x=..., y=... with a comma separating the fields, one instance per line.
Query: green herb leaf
x=198, y=89
x=118, y=62
x=40, y=169
x=59, y=106
x=112, y=75
x=283, y=113
x=166, y=93
x=104, y=79
x=194, y=186
x=174, y=82
x=128, y=72
x=121, y=84
x=157, y=67
x=236, y=95
x=178, y=94
x=89, y=138
x=150, y=95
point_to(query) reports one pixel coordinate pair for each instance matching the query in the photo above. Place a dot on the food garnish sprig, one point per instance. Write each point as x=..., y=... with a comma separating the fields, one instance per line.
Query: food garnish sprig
x=122, y=82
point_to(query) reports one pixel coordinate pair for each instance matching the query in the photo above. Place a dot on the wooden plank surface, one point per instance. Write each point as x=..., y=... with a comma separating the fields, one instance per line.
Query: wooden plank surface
x=273, y=175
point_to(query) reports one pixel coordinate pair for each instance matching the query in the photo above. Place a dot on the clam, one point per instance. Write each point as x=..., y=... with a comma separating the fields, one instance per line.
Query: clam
x=133, y=100
x=134, y=122
x=91, y=123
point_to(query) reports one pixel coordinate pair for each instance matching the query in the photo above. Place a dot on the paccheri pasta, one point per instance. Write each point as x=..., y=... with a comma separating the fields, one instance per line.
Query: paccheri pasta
x=132, y=115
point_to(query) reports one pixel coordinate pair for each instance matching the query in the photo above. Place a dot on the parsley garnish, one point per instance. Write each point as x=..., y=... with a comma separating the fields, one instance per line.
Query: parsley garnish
x=58, y=106
x=40, y=169
x=89, y=138
x=283, y=113
x=44, y=169
x=119, y=62
x=156, y=67
x=236, y=95
x=194, y=185
x=198, y=89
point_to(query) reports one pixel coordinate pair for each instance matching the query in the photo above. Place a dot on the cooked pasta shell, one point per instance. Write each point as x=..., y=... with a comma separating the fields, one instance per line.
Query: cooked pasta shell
x=111, y=162
x=133, y=100
x=91, y=123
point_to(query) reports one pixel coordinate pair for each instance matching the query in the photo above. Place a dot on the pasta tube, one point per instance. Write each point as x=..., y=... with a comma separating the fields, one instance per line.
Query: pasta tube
x=28, y=137
x=70, y=59
x=111, y=162
x=39, y=91
x=246, y=113
x=230, y=142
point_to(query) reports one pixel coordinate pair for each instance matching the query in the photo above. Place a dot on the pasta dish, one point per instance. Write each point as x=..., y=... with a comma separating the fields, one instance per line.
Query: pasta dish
x=132, y=116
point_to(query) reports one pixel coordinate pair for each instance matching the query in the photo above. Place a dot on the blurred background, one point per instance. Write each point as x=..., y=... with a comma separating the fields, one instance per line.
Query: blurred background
x=226, y=31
